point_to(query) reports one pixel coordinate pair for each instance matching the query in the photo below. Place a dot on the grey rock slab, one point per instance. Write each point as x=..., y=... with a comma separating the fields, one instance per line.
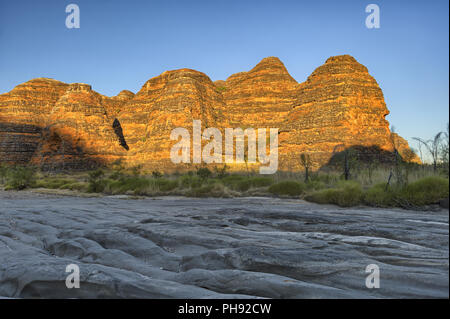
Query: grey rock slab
x=176, y=247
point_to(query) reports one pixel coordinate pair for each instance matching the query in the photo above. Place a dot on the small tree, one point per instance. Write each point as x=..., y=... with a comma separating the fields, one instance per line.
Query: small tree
x=349, y=159
x=157, y=174
x=204, y=173
x=433, y=147
x=246, y=161
x=419, y=147
x=305, y=161
x=19, y=177
x=96, y=184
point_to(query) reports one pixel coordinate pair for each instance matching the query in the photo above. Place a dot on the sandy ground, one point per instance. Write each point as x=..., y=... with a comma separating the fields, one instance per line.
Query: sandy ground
x=217, y=248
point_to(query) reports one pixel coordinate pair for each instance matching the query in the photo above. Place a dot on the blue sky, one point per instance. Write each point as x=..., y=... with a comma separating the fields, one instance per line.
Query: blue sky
x=121, y=44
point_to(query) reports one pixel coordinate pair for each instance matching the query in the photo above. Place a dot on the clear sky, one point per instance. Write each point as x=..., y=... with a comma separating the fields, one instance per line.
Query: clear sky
x=121, y=44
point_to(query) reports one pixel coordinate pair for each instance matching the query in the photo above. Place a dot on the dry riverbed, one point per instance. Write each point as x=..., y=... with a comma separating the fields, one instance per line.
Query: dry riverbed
x=174, y=247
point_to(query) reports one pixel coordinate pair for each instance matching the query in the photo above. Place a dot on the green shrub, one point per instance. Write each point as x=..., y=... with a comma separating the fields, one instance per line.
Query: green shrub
x=136, y=184
x=165, y=185
x=347, y=194
x=75, y=186
x=190, y=181
x=290, y=188
x=243, y=185
x=116, y=175
x=212, y=190
x=96, y=183
x=97, y=186
x=428, y=190
x=52, y=183
x=202, y=191
x=425, y=191
x=315, y=185
x=94, y=175
x=231, y=181
x=19, y=178
x=378, y=196
x=204, y=173
x=261, y=181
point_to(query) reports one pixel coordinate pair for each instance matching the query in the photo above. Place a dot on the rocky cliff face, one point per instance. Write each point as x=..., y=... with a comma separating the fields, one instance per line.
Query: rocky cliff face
x=22, y=114
x=170, y=100
x=261, y=97
x=338, y=106
x=57, y=125
x=79, y=131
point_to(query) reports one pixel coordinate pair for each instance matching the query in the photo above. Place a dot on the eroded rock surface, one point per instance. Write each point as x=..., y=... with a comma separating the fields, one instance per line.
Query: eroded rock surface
x=217, y=248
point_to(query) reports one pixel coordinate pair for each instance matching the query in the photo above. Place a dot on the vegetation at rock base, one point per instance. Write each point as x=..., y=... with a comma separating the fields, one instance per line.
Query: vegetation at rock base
x=346, y=194
x=351, y=182
x=204, y=173
x=424, y=186
x=290, y=188
x=425, y=191
x=70, y=126
x=17, y=178
x=96, y=182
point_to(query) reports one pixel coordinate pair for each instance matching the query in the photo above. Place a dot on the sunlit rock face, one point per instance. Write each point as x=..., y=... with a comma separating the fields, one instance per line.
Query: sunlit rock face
x=171, y=100
x=23, y=112
x=340, y=105
x=115, y=104
x=261, y=97
x=53, y=124
x=79, y=131
x=57, y=125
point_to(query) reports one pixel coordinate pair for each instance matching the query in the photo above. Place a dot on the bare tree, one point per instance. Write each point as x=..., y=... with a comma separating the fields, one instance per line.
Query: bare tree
x=349, y=159
x=433, y=147
x=305, y=160
x=246, y=161
x=419, y=146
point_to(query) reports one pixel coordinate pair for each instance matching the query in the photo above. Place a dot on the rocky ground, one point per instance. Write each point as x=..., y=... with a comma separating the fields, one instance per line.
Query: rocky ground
x=217, y=248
